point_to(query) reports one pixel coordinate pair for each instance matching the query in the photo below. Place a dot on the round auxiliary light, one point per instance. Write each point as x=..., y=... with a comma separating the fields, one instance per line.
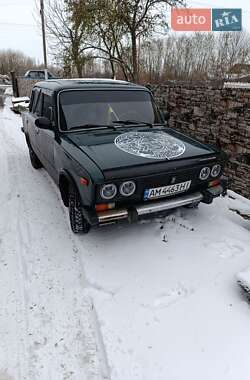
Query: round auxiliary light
x=108, y=191
x=216, y=169
x=204, y=173
x=127, y=188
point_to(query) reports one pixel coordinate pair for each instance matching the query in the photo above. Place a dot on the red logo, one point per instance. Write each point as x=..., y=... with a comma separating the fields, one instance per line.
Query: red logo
x=191, y=19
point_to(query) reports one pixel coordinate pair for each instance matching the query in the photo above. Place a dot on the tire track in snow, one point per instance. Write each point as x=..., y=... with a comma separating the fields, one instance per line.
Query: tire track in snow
x=105, y=369
x=92, y=360
x=21, y=298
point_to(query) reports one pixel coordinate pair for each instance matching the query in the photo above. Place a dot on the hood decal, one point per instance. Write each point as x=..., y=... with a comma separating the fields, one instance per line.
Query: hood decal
x=156, y=145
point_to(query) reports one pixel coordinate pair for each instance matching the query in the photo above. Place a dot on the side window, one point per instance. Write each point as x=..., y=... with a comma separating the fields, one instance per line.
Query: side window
x=35, y=94
x=47, y=106
x=41, y=75
x=31, y=100
x=32, y=75
x=38, y=107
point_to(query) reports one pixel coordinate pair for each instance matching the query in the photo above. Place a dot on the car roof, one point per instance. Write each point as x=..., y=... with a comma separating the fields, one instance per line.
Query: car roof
x=36, y=71
x=57, y=85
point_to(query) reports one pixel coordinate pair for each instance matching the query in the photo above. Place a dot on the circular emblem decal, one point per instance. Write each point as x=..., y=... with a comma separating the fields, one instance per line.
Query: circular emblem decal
x=155, y=145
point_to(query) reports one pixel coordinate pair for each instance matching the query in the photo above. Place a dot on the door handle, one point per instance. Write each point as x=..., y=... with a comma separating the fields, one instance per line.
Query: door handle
x=37, y=130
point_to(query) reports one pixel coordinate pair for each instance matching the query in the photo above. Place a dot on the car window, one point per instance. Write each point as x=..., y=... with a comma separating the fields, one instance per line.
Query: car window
x=47, y=105
x=31, y=100
x=79, y=108
x=32, y=75
x=38, y=106
x=35, y=98
x=41, y=75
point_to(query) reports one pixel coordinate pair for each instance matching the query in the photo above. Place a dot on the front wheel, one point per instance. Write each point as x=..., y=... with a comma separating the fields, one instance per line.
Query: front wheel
x=77, y=221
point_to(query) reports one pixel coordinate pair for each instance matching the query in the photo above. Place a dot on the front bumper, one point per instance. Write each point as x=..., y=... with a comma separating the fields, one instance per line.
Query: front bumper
x=159, y=207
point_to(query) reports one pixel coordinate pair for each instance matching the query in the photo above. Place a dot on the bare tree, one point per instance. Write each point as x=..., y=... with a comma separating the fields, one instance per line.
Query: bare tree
x=142, y=18
x=201, y=55
x=66, y=37
x=11, y=60
x=119, y=25
x=231, y=48
x=124, y=34
x=107, y=36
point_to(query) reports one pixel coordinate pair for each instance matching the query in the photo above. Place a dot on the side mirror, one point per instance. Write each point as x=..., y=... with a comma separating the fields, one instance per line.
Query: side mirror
x=43, y=122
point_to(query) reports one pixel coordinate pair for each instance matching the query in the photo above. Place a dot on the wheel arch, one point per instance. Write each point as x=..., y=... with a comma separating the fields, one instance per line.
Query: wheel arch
x=66, y=181
x=27, y=140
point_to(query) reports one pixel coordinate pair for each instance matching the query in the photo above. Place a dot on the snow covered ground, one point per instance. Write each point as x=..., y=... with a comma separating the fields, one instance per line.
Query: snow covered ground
x=151, y=301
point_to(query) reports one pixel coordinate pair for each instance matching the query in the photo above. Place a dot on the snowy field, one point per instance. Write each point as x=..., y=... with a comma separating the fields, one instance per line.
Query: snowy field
x=151, y=301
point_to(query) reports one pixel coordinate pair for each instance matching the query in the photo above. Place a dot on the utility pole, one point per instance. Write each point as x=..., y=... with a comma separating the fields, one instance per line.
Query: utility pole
x=44, y=39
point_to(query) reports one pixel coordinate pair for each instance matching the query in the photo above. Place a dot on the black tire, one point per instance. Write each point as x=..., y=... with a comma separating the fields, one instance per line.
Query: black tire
x=35, y=162
x=77, y=221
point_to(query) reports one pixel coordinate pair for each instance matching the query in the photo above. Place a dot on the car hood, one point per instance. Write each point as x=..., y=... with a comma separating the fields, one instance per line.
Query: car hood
x=126, y=147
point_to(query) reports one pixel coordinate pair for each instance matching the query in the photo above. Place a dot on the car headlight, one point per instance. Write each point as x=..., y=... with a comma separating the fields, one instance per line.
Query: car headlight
x=216, y=169
x=108, y=191
x=204, y=173
x=127, y=188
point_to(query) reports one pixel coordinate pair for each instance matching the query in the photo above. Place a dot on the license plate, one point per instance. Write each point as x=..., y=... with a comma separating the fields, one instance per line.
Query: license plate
x=166, y=191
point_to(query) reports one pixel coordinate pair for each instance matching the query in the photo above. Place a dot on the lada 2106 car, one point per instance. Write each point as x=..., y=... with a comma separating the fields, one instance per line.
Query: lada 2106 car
x=109, y=149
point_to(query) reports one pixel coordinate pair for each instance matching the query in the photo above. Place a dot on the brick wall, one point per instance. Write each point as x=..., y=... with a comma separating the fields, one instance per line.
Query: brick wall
x=215, y=115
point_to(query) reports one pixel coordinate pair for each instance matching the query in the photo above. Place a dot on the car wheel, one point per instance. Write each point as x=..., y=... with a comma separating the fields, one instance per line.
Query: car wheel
x=77, y=221
x=35, y=162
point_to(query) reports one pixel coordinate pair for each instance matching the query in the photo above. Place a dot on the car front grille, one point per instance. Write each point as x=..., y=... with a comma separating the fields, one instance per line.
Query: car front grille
x=156, y=180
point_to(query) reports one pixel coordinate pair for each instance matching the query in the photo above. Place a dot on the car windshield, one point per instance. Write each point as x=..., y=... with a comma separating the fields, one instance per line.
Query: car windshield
x=86, y=109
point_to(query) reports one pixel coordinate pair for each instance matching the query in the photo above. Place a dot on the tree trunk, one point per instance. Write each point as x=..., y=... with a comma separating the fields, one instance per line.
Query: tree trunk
x=79, y=68
x=76, y=58
x=124, y=72
x=134, y=57
x=112, y=66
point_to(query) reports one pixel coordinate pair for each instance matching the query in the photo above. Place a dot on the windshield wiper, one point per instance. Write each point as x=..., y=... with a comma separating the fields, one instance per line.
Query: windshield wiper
x=97, y=126
x=131, y=122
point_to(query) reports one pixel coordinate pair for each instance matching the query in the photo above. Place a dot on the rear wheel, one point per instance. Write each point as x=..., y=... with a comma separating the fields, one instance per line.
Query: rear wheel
x=35, y=162
x=77, y=221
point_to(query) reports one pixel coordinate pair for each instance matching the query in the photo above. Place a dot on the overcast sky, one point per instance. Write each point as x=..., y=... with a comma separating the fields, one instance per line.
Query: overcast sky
x=18, y=29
